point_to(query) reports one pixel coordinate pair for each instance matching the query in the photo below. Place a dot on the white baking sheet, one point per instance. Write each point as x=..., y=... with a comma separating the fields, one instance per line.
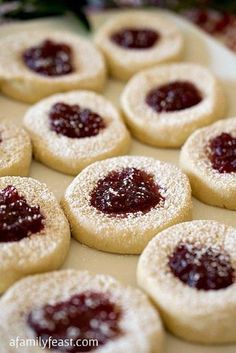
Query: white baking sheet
x=200, y=48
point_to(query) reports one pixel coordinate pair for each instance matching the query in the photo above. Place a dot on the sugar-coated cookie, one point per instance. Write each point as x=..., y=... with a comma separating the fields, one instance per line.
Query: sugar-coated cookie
x=35, y=65
x=119, y=204
x=15, y=150
x=80, y=309
x=72, y=130
x=165, y=104
x=34, y=233
x=209, y=159
x=136, y=40
x=189, y=272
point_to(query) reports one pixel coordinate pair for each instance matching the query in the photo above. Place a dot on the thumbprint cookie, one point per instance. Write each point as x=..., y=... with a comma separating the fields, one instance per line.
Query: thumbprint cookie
x=15, y=150
x=36, y=65
x=189, y=272
x=72, y=130
x=78, y=312
x=165, y=104
x=119, y=204
x=135, y=40
x=209, y=159
x=34, y=233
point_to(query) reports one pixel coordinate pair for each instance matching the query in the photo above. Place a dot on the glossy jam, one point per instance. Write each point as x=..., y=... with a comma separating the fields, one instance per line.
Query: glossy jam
x=49, y=58
x=74, y=121
x=90, y=315
x=135, y=38
x=18, y=219
x=202, y=267
x=221, y=151
x=173, y=96
x=127, y=191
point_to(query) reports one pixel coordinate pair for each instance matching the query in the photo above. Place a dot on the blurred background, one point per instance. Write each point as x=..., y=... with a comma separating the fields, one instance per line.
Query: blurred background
x=217, y=17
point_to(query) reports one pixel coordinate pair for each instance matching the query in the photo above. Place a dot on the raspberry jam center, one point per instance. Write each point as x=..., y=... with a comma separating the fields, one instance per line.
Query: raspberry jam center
x=222, y=153
x=49, y=58
x=127, y=191
x=202, y=267
x=74, y=121
x=86, y=316
x=135, y=38
x=18, y=219
x=173, y=96
x=212, y=21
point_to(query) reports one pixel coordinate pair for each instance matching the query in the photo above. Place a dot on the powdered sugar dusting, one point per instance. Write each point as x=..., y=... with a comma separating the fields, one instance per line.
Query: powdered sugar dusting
x=135, y=227
x=76, y=153
x=196, y=151
x=15, y=150
x=203, y=234
x=26, y=256
x=139, y=322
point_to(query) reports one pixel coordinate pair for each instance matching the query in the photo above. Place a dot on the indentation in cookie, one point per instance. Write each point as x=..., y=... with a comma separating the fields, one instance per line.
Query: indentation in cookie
x=49, y=58
x=200, y=267
x=173, y=96
x=129, y=190
x=135, y=38
x=74, y=121
x=89, y=315
x=221, y=151
x=18, y=219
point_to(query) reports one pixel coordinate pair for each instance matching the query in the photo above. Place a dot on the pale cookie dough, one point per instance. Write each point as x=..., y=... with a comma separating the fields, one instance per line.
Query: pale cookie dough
x=21, y=83
x=125, y=62
x=208, y=184
x=37, y=251
x=139, y=325
x=71, y=155
x=15, y=150
x=198, y=315
x=171, y=129
x=126, y=233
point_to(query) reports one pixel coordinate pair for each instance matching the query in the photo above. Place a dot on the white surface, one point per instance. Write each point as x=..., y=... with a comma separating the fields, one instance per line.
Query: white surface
x=199, y=48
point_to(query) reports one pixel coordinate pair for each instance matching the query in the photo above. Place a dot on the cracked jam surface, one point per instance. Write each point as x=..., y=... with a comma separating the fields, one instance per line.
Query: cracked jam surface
x=202, y=267
x=18, y=219
x=222, y=153
x=74, y=121
x=89, y=315
x=127, y=191
x=49, y=58
x=173, y=97
x=135, y=38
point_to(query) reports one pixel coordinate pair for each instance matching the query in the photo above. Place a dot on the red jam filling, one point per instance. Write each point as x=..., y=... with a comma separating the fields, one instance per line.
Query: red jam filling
x=202, y=267
x=135, y=38
x=74, y=121
x=212, y=21
x=83, y=317
x=221, y=151
x=127, y=191
x=173, y=96
x=18, y=219
x=49, y=58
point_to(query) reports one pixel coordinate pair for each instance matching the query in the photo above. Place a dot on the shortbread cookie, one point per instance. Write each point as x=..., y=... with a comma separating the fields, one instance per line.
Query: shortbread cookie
x=35, y=65
x=165, y=104
x=119, y=204
x=189, y=272
x=70, y=131
x=15, y=150
x=209, y=159
x=72, y=305
x=34, y=233
x=134, y=40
